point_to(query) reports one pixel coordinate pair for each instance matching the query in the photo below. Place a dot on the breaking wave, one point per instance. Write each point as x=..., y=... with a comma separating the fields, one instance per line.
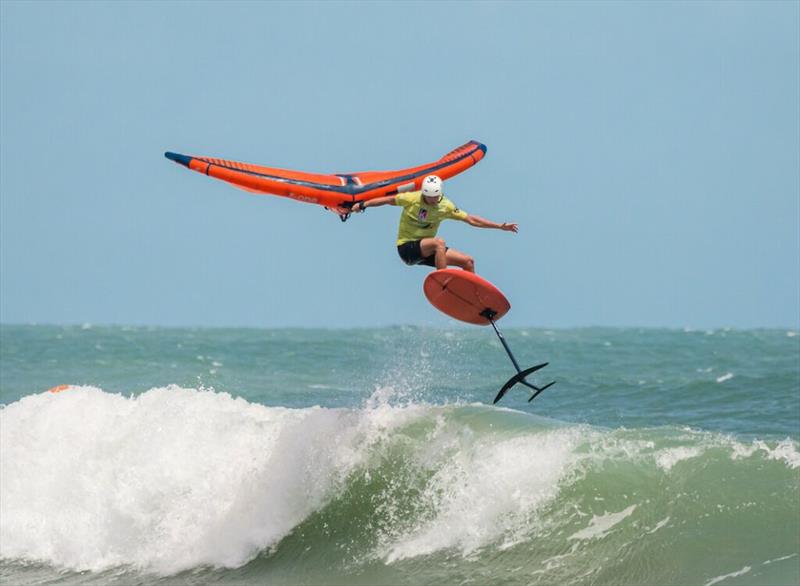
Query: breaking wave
x=176, y=479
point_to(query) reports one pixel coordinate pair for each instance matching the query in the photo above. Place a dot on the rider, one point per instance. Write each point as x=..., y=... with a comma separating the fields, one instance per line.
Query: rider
x=423, y=212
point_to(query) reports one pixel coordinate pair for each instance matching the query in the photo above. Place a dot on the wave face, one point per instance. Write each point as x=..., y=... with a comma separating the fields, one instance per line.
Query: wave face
x=190, y=485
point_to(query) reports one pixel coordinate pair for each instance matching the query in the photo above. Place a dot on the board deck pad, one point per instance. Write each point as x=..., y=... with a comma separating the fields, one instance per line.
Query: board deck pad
x=464, y=296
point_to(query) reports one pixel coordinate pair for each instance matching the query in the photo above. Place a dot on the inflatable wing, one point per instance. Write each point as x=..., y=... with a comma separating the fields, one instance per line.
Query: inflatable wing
x=337, y=192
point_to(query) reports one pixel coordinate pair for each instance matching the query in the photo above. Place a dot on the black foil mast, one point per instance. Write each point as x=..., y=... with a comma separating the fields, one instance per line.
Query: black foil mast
x=521, y=374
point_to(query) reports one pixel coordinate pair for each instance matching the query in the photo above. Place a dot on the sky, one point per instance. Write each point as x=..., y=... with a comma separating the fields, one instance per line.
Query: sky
x=650, y=153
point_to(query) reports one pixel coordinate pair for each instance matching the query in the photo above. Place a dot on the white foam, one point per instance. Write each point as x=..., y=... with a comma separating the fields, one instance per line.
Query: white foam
x=666, y=459
x=784, y=451
x=780, y=559
x=659, y=525
x=741, y=572
x=168, y=480
x=601, y=525
x=487, y=491
x=725, y=377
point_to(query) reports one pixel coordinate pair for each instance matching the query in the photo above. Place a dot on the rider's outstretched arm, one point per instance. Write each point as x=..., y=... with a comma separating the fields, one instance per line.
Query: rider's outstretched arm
x=479, y=222
x=378, y=201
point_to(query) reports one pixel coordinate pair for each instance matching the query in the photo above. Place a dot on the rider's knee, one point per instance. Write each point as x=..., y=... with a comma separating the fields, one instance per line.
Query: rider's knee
x=469, y=263
x=439, y=243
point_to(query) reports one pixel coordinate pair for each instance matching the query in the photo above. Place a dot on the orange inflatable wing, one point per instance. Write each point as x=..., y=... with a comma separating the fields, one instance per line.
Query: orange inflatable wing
x=337, y=192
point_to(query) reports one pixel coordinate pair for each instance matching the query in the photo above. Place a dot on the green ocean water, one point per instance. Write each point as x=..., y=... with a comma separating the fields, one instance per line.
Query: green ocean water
x=374, y=456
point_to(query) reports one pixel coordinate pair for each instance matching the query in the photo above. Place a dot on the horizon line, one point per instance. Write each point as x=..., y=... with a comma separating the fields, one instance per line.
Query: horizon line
x=454, y=325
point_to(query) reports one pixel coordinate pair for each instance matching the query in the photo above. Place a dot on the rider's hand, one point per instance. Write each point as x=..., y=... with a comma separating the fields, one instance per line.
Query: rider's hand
x=360, y=205
x=509, y=227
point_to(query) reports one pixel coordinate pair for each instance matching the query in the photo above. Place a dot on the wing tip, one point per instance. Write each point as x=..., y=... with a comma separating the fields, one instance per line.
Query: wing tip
x=480, y=145
x=178, y=158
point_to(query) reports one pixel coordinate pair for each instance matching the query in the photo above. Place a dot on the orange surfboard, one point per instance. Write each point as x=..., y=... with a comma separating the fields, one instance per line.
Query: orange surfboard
x=465, y=296
x=338, y=192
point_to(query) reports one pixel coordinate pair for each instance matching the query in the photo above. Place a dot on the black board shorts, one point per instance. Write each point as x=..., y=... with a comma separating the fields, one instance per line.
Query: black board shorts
x=411, y=253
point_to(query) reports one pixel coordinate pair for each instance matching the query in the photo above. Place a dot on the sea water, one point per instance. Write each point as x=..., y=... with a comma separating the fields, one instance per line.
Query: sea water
x=374, y=456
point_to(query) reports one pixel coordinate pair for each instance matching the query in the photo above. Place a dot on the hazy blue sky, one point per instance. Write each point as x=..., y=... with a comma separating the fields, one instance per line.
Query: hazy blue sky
x=649, y=152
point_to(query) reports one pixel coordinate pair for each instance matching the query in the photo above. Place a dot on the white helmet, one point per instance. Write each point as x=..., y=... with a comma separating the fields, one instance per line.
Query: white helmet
x=432, y=186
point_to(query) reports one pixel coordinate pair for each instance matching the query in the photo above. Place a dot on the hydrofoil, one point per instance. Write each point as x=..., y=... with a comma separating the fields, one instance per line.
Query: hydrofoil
x=467, y=297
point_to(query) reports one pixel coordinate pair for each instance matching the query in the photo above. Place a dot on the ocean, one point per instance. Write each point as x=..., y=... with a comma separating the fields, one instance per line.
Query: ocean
x=375, y=456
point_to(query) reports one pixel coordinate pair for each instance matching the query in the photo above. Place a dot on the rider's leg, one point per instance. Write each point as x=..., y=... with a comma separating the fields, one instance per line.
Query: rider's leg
x=435, y=246
x=459, y=259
